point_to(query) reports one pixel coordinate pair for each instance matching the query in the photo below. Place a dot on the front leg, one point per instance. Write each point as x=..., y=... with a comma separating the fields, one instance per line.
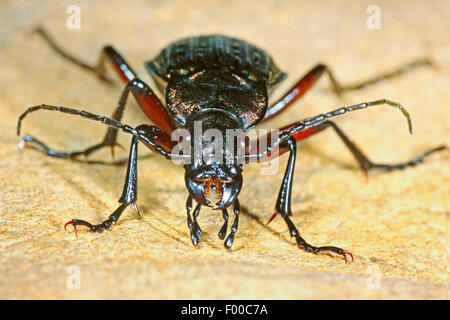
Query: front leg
x=283, y=205
x=128, y=197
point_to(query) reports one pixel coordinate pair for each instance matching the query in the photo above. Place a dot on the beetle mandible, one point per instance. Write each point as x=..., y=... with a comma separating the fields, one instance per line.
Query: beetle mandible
x=224, y=83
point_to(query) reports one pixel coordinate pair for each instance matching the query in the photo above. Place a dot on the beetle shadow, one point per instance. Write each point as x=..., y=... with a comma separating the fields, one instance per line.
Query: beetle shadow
x=308, y=147
x=277, y=234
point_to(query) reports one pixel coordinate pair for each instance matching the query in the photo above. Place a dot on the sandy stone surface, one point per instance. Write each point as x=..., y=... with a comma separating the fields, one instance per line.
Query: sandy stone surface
x=396, y=224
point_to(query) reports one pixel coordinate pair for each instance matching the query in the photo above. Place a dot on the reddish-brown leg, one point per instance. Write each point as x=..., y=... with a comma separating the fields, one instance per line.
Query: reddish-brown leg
x=144, y=95
x=299, y=89
x=309, y=79
x=146, y=98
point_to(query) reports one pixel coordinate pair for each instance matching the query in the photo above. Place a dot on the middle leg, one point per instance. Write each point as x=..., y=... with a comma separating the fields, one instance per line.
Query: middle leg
x=364, y=162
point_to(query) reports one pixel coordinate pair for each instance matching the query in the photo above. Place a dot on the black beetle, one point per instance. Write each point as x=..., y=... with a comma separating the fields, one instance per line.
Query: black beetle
x=223, y=83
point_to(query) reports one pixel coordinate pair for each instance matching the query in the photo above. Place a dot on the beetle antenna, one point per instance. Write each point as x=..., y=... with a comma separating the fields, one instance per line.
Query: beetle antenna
x=141, y=135
x=312, y=122
x=305, y=124
x=85, y=114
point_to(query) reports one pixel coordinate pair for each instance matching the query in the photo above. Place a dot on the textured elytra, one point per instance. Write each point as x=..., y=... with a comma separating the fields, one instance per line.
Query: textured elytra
x=217, y=73
x=195, y=54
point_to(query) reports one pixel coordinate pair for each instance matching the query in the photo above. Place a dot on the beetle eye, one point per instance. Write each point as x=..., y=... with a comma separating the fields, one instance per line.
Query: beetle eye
x=202, y=179
x=226, y=180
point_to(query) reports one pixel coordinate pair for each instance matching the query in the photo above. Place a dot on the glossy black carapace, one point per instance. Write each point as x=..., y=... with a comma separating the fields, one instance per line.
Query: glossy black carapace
x=222, y=83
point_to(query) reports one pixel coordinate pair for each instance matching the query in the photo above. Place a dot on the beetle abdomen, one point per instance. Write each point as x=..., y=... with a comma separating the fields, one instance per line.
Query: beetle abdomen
x=191, y=55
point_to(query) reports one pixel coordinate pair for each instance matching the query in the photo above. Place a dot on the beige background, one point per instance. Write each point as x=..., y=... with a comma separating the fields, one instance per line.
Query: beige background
x=396, y=224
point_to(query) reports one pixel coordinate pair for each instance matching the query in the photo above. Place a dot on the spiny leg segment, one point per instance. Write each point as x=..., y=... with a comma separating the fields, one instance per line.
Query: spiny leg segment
x=151, y=136
x=142, y=133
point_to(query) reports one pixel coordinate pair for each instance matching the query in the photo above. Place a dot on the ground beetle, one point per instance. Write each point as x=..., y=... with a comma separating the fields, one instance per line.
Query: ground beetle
x=224, y=83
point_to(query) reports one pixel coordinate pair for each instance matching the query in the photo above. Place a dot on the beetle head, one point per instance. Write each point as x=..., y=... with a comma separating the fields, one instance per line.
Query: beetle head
x=214, y=185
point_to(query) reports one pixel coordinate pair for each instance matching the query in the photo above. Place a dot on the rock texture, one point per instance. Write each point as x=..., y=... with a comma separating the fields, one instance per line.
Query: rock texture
x=396, y=224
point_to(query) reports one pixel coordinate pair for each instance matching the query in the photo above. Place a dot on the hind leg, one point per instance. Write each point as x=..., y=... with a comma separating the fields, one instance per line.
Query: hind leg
x=309, y=79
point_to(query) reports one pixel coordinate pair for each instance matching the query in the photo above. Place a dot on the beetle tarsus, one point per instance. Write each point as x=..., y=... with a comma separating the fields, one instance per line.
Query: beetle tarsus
x=313, y=249
x=60, y=154
x=415, y=161
x=105, y=225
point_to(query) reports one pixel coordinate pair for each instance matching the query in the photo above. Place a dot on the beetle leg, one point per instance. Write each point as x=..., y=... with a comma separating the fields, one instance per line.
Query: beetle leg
x=283, y=205
x=151, y=105
x=364, y=162
x=145, y=96
x=108, y=53
x=304, y=128
x=309, y=79
x=230, y=239
x=128, y=197
x=299, y=89
x=148, y=102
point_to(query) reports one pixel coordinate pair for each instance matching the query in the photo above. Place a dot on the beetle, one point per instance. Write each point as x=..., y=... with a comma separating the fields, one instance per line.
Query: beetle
x=224, y=83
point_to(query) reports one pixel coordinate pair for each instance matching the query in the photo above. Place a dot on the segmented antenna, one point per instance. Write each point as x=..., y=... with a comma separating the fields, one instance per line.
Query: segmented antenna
x=312, y=122
x=105, y=120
